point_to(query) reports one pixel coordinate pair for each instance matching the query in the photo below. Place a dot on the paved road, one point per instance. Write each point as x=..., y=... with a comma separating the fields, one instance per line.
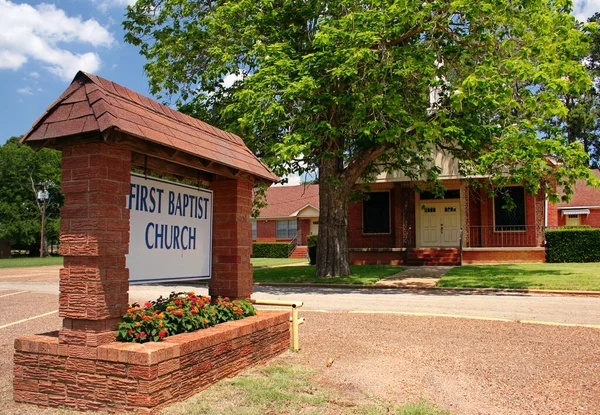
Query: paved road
x=545, y=308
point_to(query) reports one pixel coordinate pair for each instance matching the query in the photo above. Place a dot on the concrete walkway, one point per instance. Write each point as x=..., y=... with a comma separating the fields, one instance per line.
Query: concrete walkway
x=415, y=277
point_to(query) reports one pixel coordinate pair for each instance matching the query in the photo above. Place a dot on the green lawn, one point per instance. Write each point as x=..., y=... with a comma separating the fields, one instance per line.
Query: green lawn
x=280, y=388
x=271, y=262
x=30, y=262
x=584, y=277
x=361, y=274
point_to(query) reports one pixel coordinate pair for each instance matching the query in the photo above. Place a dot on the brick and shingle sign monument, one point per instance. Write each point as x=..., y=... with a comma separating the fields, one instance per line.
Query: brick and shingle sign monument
x=119, y=227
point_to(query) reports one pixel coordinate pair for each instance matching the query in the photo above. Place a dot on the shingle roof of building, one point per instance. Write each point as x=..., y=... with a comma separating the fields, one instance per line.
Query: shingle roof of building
x=92, y=103
x=584, y=195
x=283, y=201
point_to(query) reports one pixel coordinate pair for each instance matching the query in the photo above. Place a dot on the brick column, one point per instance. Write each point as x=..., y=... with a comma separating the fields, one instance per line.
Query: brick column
x=465, y=220
x=94, y=241
x=232, y=239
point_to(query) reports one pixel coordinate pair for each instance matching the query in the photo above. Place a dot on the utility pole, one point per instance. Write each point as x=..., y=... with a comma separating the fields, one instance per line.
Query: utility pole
x=43, y=197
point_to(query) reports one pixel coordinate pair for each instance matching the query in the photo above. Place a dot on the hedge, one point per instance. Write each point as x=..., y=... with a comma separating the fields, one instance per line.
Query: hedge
x=573, y=245
x=311, y=240
x=270, y=249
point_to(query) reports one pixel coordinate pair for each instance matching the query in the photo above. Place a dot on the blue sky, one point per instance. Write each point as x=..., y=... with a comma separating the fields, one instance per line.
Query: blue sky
x=43, y=44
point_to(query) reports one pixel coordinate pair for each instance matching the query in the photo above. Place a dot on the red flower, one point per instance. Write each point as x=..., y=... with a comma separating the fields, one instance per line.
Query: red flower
x=161, y=334
x=137, y=335
x=226, y=299
x=148, y=304
x=130, y=332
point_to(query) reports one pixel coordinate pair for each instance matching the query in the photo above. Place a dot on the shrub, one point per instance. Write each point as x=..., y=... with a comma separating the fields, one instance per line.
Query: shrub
x=270, y=249
x=311, y=241
x=178, y=313
x=573, y=245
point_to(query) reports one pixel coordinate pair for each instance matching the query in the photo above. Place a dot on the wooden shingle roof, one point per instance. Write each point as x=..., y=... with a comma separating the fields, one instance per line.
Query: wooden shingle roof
x=92, y=103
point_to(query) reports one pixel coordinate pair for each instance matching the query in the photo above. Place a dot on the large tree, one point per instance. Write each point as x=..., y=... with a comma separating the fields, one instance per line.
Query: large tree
x=22, y=172
x=345, y=87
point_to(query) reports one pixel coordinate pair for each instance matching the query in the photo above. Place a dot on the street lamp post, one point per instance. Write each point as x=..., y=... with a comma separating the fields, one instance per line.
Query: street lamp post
x=43, y=197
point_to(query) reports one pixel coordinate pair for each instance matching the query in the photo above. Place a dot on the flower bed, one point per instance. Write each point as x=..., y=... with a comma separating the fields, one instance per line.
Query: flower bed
x=178, y=313
x=142, y=378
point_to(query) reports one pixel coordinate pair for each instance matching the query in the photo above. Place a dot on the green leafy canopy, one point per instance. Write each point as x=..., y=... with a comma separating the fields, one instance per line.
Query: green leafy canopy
x=348, y=82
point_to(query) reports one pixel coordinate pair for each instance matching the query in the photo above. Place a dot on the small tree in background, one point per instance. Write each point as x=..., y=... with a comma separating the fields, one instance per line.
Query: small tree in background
x=344, y=88
x=21, y=171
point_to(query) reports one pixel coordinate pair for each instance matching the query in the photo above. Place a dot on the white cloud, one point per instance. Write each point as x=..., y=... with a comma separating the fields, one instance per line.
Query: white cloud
x=104, y=5
x=34, y=75
x=42, y=32
x=293, y=180
x=582, y=9
x=230, y=79
x=25, y=91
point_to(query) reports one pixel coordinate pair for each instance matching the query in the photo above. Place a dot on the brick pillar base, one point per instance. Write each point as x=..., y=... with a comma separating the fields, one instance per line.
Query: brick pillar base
x=232, y=239
x=94, y=241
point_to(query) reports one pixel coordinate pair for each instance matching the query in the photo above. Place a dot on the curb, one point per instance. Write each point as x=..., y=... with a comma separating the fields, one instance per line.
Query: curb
x=432, y=290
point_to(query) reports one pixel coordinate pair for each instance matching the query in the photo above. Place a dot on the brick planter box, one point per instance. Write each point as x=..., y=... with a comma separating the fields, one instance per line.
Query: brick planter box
x=143, y=377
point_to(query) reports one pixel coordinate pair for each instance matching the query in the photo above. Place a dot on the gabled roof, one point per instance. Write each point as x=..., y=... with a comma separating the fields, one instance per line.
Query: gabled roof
x=288, y=201
x=583, y=195
x=92, y=104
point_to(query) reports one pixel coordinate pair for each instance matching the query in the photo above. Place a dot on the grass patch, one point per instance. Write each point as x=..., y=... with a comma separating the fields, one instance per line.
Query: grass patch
x=273, y=262
x=30, y=262
x=569, y=276
x=361, y=274
x=280, y=388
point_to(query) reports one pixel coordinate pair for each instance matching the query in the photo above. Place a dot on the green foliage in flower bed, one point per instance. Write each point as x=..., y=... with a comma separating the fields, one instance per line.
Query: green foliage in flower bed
x=178, y=313
x=270, y=249
x=573, y=245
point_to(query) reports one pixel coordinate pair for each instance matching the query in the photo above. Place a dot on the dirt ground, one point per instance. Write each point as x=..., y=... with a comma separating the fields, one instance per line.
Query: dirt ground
x=466, y=366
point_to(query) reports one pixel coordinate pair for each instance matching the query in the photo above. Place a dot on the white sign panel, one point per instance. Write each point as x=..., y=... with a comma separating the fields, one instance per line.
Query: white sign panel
x=170, y=231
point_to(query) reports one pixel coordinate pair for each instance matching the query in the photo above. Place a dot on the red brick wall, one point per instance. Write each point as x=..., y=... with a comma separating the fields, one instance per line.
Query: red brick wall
x=377, y=258
x=124, y=377
x=553, y=215
x=266, y=230
x=593, y=219
x=356, y=238
x=232, y=239
x=94, y=239
x=482, y=230
x=503, y=256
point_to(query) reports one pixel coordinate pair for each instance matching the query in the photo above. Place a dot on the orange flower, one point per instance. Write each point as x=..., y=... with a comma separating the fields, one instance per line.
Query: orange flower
x=179, y=313
x=138, y=324
x=205, y=321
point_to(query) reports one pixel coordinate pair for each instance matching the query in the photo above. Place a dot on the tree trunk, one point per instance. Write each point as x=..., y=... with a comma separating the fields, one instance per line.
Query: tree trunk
x=332, y=247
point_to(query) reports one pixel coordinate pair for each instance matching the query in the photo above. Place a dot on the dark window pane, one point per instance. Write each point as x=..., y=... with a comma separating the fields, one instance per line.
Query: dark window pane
x=510, y=220
x=376, y=213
